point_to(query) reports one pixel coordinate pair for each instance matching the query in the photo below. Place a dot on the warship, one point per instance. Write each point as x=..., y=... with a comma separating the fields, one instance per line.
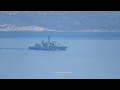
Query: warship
x=53, y=45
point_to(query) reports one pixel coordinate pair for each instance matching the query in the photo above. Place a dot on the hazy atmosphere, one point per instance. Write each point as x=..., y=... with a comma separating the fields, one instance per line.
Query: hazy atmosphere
x=59, y=45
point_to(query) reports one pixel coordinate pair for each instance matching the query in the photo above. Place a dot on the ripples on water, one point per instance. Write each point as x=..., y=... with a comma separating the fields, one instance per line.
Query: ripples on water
x=89, y=55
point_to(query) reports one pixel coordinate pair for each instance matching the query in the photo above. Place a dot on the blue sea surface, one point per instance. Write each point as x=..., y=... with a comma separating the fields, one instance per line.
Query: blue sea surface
x=88, y=56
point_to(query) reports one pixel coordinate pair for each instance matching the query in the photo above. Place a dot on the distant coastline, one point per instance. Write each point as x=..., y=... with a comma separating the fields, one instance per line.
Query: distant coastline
x=9, y=28
x=71, y=21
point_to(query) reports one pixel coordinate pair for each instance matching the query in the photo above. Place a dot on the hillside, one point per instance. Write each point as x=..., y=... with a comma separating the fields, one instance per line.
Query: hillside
x=60, y=20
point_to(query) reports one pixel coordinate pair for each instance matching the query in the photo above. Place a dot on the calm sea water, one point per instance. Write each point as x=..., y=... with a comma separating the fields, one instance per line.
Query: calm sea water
x=88, y=56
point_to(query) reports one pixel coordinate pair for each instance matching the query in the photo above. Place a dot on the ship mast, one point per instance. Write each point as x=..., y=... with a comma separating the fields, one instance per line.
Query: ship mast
x=48, y=39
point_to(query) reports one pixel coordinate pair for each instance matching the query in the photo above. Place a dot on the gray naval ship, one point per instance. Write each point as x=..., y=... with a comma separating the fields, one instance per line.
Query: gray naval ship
x=48, y=45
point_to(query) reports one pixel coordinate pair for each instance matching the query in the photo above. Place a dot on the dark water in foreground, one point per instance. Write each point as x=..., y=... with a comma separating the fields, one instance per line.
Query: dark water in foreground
x=88, y=56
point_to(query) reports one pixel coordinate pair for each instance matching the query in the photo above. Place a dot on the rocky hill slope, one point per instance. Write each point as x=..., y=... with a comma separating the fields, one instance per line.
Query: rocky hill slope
x=60, y=21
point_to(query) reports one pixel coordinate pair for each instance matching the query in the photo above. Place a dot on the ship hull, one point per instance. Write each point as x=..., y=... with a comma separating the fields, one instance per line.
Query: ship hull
x=48, y=48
